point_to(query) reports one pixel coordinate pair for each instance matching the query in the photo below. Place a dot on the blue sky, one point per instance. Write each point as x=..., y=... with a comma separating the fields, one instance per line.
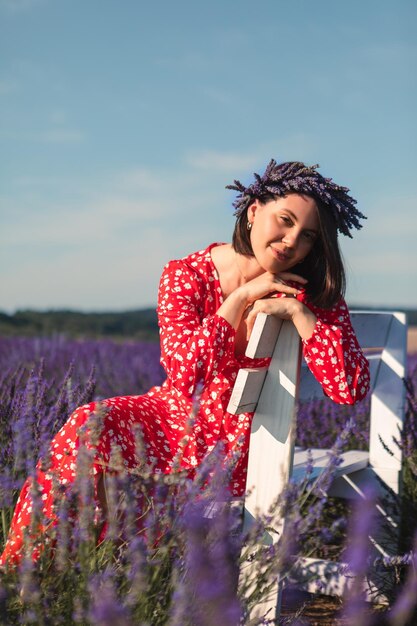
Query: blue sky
x=122, y=122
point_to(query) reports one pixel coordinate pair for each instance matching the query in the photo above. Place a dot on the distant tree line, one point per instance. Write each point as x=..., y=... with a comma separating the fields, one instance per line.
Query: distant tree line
x=141, y=324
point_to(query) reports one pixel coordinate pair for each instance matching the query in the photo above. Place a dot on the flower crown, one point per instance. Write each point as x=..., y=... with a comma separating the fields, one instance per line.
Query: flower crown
x=295, y=177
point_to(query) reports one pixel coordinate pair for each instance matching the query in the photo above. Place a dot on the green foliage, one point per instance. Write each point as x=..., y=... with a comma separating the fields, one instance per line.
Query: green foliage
x=137, y=324
x=140, y=324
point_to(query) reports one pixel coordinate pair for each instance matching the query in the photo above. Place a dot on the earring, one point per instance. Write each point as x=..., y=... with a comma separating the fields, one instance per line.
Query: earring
x=248, y=225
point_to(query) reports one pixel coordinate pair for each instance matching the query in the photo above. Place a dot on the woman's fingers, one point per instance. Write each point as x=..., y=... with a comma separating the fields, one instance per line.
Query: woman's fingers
x=268, y=283
x=282, y=307
x=281, y=286
x=250, y=321
x=253, y=311
x=287, y=289
x=292, y=277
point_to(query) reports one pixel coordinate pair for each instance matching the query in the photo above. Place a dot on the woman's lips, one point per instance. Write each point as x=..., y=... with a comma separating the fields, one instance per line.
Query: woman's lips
x=280, y=255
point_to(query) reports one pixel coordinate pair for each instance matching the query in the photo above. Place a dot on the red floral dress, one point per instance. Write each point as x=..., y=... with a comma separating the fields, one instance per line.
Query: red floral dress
x=197, y=351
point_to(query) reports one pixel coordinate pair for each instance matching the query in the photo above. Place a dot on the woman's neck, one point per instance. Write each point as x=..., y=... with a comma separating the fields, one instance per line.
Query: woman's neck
x=247, y=267
x=234, y=269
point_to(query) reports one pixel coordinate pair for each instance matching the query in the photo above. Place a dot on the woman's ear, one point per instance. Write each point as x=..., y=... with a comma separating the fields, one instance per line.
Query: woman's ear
x=252, y=208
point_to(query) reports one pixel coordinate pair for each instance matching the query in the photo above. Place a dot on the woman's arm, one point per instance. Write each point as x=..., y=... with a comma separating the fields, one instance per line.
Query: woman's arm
x=335, y=358
x=330, y=347
x=194, y=347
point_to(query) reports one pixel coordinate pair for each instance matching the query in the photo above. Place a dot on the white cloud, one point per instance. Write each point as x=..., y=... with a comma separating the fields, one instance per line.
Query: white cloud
x=94, y=276
x=104, y=246
x=106, y=249
x=294, y=146
x=123, y=203
x=382, y=257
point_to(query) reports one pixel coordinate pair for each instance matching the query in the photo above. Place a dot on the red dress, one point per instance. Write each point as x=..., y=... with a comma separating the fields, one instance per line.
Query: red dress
x=197, y=351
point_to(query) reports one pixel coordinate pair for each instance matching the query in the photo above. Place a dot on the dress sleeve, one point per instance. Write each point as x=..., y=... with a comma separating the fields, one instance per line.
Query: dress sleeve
x=334, y=356
x=195, y=347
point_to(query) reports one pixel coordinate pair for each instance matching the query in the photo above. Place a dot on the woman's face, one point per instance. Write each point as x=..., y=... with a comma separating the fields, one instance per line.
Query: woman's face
x=283, y=231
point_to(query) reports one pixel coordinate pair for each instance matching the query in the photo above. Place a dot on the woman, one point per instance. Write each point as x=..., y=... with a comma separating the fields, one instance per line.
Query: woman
x=284, y=260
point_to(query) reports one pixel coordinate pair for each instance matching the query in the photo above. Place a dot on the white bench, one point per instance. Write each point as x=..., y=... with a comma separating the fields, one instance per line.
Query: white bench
x=273, y=395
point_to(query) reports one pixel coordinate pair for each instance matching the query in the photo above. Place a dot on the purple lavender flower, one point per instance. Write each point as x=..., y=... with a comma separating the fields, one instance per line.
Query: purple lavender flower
x=161, y=550
x=206, y=589
x=357, y=554
x=404, y=610
x=106, y=608
x=121, y=368
x=206, y=595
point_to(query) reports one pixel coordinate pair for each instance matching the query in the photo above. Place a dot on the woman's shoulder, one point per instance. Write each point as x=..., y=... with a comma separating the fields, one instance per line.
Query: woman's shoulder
x=194, y=271
x=199, y=262
x=201, y=256
x=193, y=277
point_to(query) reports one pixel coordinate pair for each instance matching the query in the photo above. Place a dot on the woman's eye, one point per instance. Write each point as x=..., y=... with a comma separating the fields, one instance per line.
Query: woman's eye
x=310, y=236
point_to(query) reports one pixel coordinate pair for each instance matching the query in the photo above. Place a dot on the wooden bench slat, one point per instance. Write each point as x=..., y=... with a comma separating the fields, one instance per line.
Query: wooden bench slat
x=246, y=390
x=271, y=443
x=264, y=336
x=372, y=327
x=352, y=461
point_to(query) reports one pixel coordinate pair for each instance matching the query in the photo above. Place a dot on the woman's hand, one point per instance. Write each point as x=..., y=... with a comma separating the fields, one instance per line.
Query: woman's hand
x=268, y=283
x=235, y=308
x=286, y=308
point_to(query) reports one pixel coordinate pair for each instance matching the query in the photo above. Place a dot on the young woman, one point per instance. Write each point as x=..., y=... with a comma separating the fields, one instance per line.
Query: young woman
x=284, y=260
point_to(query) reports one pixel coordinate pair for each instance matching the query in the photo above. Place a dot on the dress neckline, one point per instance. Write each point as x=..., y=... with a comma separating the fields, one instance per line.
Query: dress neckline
x=242, y=359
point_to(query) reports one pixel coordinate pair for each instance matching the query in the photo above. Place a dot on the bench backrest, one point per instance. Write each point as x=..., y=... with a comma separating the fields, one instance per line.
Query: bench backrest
x=383, y=338
x=274, y=394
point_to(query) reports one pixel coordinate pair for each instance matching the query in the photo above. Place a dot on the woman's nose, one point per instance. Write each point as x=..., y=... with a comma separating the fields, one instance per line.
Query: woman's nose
x=290, y=239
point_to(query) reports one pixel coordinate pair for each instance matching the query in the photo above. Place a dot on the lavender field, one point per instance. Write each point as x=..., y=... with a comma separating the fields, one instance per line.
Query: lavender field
x=162, y=560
